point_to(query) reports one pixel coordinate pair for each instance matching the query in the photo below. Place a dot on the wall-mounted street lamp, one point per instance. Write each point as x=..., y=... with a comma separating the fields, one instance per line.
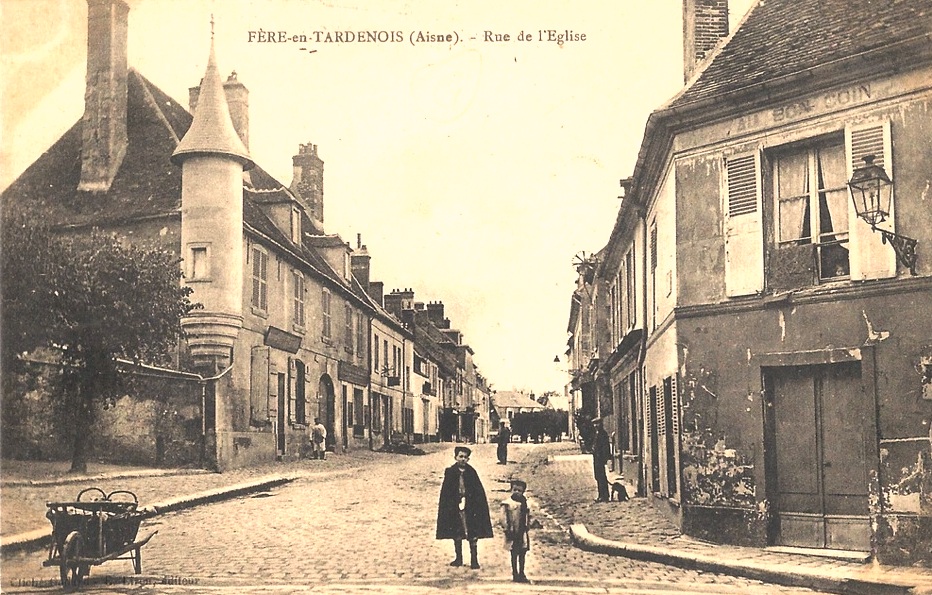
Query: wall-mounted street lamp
x=871, y=190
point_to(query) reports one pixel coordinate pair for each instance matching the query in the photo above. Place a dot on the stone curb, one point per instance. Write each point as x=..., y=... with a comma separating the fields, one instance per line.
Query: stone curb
x=38, y=539
x=801, y=577
x=31, y=483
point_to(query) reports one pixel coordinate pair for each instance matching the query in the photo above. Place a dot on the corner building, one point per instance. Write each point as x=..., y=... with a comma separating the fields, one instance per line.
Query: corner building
x=784, y=396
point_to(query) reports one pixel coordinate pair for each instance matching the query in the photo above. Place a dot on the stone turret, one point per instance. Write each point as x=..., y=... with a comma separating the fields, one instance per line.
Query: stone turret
x=212, y=158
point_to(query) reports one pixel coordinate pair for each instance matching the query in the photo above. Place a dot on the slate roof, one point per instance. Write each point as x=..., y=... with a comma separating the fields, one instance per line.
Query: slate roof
x=780, y=38
x=146, y=184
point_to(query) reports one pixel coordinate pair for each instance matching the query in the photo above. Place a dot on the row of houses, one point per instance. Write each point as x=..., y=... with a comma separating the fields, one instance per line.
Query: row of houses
x=757, y=341
x=292, y=327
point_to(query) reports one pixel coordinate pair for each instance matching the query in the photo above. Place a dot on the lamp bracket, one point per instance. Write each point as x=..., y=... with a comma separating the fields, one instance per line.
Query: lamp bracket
x=904, y=247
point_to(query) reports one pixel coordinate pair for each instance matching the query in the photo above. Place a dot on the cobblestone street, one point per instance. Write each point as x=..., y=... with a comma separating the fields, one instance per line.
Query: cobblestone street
x=372, y=531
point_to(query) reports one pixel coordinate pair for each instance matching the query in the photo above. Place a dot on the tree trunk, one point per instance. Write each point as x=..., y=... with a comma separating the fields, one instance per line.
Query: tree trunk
x=82, y=427
x=79, y=452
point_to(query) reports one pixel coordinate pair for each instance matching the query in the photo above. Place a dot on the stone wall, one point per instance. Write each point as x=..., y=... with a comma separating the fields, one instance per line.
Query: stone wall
x=159, y=425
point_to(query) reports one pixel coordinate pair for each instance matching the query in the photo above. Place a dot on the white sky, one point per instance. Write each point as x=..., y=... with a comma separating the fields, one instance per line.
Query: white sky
x=473, y=171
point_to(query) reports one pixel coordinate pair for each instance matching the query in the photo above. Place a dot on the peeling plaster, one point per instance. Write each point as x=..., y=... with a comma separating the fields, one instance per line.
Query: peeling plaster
x=782, y=327
x=716, y=476
x=873, y=336
x=925, y=191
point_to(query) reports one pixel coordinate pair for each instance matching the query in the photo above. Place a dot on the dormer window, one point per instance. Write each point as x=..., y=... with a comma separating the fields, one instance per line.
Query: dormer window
x=296, y=225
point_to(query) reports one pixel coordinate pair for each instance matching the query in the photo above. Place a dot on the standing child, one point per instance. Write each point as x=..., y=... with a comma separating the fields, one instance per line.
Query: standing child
x=516, y=520
x=463, y=510
x=319, y=440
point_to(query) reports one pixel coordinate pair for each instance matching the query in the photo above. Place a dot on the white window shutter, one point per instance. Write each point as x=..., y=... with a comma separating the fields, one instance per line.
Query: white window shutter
x=259, y=384
x=273, y=390
x=744, y=242
x=870, y=258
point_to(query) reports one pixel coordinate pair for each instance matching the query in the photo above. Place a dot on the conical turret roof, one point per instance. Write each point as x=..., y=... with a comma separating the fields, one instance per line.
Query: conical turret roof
x=212, y=131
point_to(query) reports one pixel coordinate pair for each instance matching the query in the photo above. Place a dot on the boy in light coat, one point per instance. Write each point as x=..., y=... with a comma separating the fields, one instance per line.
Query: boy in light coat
x=516, y=520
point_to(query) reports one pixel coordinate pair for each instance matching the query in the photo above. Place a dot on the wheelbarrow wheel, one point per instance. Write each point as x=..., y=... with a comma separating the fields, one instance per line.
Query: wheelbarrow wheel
x=137, y=561
x=72, y=572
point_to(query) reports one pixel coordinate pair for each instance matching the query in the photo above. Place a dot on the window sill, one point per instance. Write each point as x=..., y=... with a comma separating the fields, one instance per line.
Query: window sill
x=199, y=280
x=260, y=312
x=326, y=340
x=299, y=329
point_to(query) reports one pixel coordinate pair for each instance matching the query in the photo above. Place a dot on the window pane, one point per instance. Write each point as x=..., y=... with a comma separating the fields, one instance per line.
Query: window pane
x=833, y=207
x=794, y=222
x=833, y=261
x=833, y=195
x=793, y=197
x=832, y=167
x=793, y=175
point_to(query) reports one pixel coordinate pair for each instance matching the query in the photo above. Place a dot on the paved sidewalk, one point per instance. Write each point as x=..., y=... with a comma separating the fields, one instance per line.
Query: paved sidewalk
x=564, y=485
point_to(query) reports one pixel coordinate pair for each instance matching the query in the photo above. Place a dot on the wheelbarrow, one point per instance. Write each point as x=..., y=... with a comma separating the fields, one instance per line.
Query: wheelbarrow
x=95, y=528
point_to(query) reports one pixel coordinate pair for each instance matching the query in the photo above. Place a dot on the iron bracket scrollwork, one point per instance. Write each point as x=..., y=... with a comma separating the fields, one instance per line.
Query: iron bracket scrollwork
x=904, y=247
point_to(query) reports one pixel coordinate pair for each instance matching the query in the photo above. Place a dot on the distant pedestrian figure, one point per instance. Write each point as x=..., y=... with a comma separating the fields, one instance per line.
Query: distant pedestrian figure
x=504, y=437
x=319, y=440
x=516, y=520
x=601, y=454
x=463, y=511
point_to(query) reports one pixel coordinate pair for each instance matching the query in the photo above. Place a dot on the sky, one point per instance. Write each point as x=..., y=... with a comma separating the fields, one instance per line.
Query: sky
x=473, y=170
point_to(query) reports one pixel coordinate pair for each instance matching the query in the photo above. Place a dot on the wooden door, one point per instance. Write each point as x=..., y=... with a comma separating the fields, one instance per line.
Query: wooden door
x=820, y=434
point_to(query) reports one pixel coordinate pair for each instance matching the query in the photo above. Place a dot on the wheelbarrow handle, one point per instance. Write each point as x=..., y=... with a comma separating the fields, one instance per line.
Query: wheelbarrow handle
x=86, y=490
x=135, y=499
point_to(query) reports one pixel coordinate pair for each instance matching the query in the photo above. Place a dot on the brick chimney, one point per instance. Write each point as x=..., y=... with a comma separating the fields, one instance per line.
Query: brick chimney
x=376, y=291
x=435, y=311
x=360, y=263
x=103, y=126
x=705, y=23
x=308, y=180
x=237, y=96
x=399, y=300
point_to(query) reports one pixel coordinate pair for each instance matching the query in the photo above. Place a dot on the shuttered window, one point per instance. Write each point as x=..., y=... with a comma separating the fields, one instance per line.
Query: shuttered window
x=348, y=328
x=260, y=279
x=298, y=287
x=742, y=186
x=870, y=258
x=259, y=386
x=744, y=246
x=326, y=329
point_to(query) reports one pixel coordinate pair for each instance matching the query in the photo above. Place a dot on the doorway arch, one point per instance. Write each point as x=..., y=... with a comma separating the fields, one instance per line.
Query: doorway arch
x=326, y=409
